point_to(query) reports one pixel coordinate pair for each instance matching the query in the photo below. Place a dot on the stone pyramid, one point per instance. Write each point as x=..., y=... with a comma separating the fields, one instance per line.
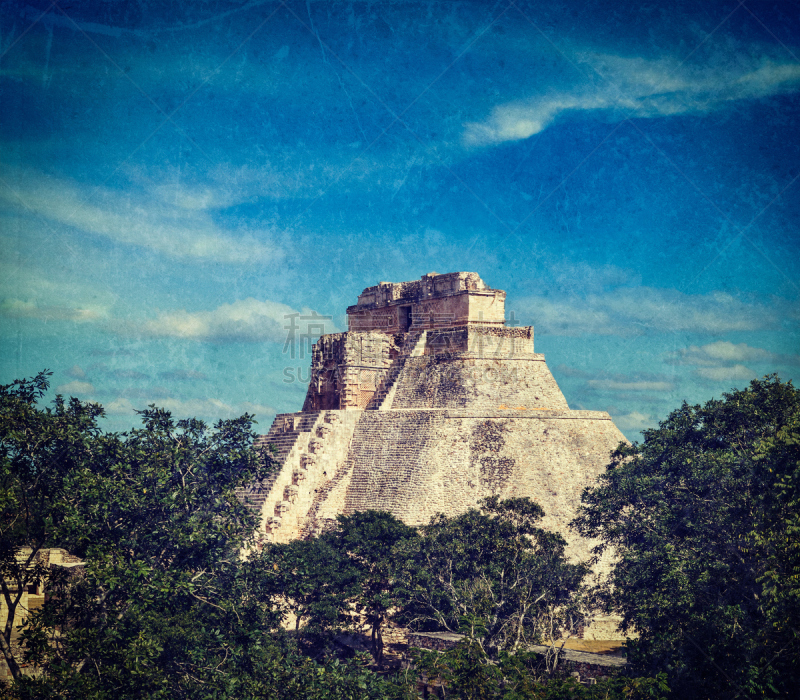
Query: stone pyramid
x=427, y=404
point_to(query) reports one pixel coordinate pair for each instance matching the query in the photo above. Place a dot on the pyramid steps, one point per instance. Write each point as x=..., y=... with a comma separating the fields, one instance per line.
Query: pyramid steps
x=280, y=440
x=414, y=346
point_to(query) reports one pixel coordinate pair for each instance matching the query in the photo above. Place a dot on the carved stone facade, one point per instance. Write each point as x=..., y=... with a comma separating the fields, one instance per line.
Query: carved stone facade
x=428, y=404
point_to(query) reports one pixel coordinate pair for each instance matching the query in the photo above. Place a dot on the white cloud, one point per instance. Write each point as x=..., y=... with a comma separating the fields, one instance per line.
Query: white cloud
x=76, y=372
x=257, y=409
x=247, y=320
x=633, y=421
x=637, y=87
x=614, y=385
x=183, y=231
x=723, y=352
x=633, y=310
x=29, y=293
x=724, y=374
x=76, y=388
x=17, y=308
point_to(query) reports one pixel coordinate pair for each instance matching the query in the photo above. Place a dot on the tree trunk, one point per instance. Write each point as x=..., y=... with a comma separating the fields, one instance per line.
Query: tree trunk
x=377, y=642
x=5, y=638
x=13, y=666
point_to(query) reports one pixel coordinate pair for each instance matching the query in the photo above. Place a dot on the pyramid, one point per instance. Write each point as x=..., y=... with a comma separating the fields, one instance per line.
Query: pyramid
x=427, y=404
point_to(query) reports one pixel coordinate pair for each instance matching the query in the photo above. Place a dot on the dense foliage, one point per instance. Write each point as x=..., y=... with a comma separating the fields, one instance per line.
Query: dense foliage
x=494, y=576
x=468, y=674
x=165, y=606
x=703, y=517
x=155, y=517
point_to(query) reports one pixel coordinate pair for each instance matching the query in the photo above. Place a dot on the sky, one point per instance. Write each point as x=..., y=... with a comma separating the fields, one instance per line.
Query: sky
x=181, y=184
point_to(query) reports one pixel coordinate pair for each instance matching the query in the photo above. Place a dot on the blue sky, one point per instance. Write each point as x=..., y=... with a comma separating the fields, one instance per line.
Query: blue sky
x=175, y=181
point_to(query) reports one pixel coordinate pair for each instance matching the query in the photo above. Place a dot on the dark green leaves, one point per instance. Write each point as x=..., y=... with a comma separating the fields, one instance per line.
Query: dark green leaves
x=491, y=575
x=702, y=517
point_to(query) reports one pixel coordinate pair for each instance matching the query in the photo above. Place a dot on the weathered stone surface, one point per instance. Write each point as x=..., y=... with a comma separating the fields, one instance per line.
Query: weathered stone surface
x=415, y=463
x=478, y=383
x=433, y=301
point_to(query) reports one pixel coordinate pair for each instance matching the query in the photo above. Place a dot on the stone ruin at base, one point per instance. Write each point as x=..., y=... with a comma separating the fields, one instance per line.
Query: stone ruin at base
x=428, y=404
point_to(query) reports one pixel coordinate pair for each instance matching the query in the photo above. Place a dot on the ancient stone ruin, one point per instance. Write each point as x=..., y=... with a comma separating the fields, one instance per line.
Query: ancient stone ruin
x=427, y=404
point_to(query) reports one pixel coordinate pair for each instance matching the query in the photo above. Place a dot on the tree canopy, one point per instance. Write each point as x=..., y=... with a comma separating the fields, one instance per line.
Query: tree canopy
x=345, y=579
x=155, y=516
x=166, y=607
x=492, y=575
x=703, y=518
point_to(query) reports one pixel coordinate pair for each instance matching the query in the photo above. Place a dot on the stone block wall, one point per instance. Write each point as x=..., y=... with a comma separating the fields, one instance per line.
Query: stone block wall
x=33, y=596
x=482, y=341
x=478, y=383
x=434, y=301
x=437, y=312
x=347, y=368
x=432, y=284
x=415, y=463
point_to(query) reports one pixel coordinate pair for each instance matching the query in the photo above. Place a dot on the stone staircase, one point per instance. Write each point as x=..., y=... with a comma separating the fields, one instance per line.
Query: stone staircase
x=309, y=448
x=414, y=346
x=282, y=439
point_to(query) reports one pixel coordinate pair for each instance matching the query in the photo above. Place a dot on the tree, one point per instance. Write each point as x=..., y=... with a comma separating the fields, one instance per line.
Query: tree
x=493, y=576
x=154, y=514
x=372, y=541
x=314, y=581
x=703, y=519
x=342, y=579
x=466, y=673
x=40, y=454
x=166, y=607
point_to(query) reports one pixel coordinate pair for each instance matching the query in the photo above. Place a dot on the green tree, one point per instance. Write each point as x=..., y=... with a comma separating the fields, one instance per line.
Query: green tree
x=342, y=579
x=312, y=580
x=493, y=575
x=40, y=454
x=155, y=515
x=465, y=672
x=372, y=541
x=703, y=519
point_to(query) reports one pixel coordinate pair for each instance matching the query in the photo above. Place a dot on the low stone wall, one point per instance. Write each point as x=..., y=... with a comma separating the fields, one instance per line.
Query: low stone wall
x=583, y=664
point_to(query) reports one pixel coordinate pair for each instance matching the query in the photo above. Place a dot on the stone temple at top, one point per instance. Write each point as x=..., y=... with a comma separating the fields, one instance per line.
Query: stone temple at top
x=427, y=404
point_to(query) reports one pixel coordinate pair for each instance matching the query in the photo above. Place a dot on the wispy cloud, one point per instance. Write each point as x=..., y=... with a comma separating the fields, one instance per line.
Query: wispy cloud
x=633, y=421
x=247, y=320
x=637, y=87
x=183, y=375
x=723, y=374
x=176, y=231
x=256, y=409
x=76, y=372
x=29, y=293
x=724, y=352
x=130, y=374
x=723, y=361
x=17, y=308
x=76, y=388
x=614, y=385
x=205, y=407
x=634, y=310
